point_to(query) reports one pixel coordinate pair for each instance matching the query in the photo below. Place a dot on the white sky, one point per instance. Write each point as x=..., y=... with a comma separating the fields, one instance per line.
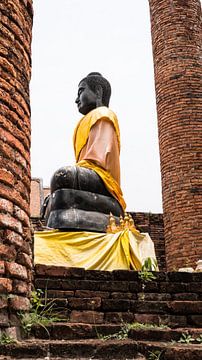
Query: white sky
x=72, y=38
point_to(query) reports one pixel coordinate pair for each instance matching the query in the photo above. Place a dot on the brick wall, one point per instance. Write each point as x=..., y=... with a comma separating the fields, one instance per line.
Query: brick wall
x=36, y=197
x=93, y=296
x=153, y=224
x=15, y=72
x=176, y=28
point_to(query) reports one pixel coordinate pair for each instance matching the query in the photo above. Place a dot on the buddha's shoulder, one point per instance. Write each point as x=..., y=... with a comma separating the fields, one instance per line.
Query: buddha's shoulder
x=103, y=112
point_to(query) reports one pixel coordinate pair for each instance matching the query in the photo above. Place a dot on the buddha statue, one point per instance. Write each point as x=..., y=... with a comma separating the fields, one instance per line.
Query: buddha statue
x=82, y=196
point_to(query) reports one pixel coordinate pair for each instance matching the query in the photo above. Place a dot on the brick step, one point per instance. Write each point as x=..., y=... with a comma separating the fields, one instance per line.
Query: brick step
x=70, y=331
x=117, y=304
x=101, y=310
x=98, y=349
x=138, y=357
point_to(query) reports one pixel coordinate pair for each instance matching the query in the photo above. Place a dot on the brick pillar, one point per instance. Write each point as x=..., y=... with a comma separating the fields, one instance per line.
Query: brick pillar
x=175, y=26
x=15, y=71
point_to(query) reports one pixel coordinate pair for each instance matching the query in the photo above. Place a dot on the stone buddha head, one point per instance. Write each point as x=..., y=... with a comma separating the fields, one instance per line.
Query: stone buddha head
x=93, y=91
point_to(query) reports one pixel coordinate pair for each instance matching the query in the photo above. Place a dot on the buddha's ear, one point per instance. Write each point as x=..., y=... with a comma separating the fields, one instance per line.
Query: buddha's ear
x=99, y=92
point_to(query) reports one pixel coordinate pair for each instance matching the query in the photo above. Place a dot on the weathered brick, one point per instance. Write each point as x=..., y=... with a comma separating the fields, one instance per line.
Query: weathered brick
x=174, y=321
x=56, y=284
x=26, y=247
x=147, y=318
x=186, y=307
x=194, y=287
x=6, y=205
x=119, y=317
x=59, y=271
x=134, y=286
x=5, y=285
x=59, y=294
x=126, y=275
x=2, y=267
x=8, y=221
x=90, y=294
x=91, y=317
x=7, y=252
x=149, y=307
x=30, y=276
x=154, y=296
x=195, y=320
x=197, y=277
x=21, y=215
x=185, y=296
x=24, y=259
x=180, y=277
x=115, y=305
x=12, y=332
x=13, y=195
x=152, y=286
x=98, y=275
x=13, y=238
x=6, y=177
x=84, y=303
x=113, y=286
x=3, y=302
x=27, y=233
x=19, y=303
x=16, y=270
x=20, y=287
x=171, y=287
x=4, y=321
x=124, y=295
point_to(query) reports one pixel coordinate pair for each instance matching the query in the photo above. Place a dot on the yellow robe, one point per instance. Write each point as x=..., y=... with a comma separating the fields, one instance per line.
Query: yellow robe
x=97, y=147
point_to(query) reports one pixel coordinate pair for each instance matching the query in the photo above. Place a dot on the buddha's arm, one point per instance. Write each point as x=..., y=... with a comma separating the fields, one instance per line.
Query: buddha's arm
x=102, y=148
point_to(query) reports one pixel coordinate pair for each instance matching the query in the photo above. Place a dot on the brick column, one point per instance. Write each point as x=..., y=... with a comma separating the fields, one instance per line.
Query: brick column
x=175, y=26
x=15, y=71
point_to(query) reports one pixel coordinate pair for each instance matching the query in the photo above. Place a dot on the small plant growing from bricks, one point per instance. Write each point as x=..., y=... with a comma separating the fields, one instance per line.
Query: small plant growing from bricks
x=186, y=338
x=148, y=326
x=125, y=329
x=155, y=355
x=199, y=339
x=6, y=339
x=119, y=335
x=41, y=313
x=146, y=273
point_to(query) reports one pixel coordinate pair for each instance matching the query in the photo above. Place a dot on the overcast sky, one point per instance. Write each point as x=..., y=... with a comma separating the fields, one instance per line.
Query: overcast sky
x=72, y=38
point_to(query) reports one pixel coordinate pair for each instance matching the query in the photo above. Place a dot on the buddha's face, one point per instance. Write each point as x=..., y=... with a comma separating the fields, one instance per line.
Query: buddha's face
x=86, y=99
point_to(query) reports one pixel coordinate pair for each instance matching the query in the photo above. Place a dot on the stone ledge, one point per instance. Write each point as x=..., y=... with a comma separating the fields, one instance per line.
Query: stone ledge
x=98, y=349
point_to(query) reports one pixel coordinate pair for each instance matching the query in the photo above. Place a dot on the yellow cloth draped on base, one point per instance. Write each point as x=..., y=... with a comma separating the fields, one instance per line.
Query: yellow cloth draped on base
x=91, y=250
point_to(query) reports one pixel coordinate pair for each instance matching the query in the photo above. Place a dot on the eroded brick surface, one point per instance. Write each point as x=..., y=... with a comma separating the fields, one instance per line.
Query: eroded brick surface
x=176, y=31
x=15, y=65
x=16, y=270
x=153, y=302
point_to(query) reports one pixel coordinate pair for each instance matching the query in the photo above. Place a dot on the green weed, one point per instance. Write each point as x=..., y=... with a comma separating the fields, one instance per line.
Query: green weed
x=150, y=264
x=6, y=339
x=186, y=338
x=138, y=325
x=41, y=312
x=125, y=328
x=199, y=339
x=155, y=355
x=146, y=274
